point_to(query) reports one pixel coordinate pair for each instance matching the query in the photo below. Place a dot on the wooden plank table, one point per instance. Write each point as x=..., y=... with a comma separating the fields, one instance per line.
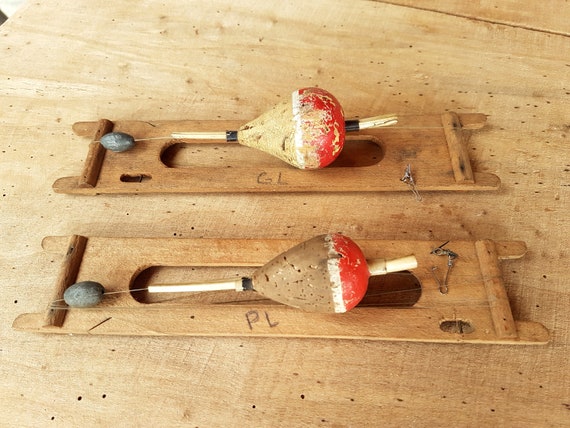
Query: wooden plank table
x=65, y=62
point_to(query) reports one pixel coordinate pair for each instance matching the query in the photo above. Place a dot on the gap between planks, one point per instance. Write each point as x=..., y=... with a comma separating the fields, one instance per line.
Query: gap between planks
x=475, y=18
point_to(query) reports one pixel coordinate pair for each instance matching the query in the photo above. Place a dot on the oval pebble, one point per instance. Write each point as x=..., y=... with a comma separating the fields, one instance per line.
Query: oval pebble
x=117, y=141
x=84, y=294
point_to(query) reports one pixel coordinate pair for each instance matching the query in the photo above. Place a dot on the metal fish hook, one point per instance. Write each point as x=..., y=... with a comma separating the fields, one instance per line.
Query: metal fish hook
x=442, y=287
x=451, y=256
x=409, y=180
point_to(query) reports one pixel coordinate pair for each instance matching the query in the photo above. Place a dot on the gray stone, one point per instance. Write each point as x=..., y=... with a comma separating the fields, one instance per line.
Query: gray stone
x=117, y=141
x=84, y=294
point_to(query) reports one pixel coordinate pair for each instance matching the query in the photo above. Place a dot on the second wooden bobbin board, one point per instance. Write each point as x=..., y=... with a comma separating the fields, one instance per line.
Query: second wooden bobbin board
x=435, y=146
x=403, y=306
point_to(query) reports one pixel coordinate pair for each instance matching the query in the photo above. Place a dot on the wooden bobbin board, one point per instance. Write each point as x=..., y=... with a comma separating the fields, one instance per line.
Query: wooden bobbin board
x=475, y=310
x=372, y=160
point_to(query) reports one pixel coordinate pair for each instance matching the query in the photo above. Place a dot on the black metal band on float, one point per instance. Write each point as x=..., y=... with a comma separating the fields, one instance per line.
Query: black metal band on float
x=231, y=135
x=247, y=283
x=352, y=125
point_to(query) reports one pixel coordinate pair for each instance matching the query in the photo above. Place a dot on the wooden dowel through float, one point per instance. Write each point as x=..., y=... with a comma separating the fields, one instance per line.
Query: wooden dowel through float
x=351, y=125
x=375, y=267
x=374, y=122
x=383, y=266
x=218, y=135
x=237, y=284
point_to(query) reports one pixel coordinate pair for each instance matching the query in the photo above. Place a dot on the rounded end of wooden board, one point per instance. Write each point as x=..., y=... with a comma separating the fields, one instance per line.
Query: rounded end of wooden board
x=508, y=250
x=85, y=129
x=55, y=244
x=71, y=185
x=473, y=120
x=486, y=181
x=61, y=185
x=532, y=333
x=28, y=322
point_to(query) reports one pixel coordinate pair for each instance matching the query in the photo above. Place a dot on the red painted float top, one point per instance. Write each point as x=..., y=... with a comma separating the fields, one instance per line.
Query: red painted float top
x=319, y=127
x=349, y=270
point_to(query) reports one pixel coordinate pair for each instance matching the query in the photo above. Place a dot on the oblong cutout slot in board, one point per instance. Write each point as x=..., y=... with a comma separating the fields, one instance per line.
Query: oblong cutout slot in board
x=359, y=151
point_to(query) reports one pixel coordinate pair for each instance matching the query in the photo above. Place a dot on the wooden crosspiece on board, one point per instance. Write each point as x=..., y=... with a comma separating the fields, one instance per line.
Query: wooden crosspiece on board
x=401, y=306
x=373, y=159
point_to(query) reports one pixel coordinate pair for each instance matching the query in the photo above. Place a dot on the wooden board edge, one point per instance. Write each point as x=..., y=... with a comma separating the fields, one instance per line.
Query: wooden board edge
x=506, y=250
x=529, y=333
x=70, y=185
x=468, y=121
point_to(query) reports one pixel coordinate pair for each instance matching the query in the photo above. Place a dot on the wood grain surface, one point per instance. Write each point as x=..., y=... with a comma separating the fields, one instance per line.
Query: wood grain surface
x=69, y=61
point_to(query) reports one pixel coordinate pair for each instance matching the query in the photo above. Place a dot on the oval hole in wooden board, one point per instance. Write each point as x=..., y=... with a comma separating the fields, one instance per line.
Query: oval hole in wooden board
x=135, y=178
x=358, y=151
x=456, y=326
x=396, y=290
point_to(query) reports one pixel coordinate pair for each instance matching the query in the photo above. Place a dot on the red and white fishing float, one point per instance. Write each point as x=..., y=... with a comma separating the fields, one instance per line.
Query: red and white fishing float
x=328, y=273
x=307, y=131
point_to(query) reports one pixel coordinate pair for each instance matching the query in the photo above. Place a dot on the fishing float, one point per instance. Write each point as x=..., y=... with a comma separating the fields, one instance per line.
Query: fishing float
x=328, y=274
x=307, y=131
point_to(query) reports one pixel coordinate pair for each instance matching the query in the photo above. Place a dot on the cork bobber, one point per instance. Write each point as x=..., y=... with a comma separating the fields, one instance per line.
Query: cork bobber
x=306, y=131
x=328, y=273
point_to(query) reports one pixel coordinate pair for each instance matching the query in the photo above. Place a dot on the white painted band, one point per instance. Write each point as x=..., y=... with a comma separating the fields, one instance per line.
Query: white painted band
x=296, y=101
x=334, y=275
